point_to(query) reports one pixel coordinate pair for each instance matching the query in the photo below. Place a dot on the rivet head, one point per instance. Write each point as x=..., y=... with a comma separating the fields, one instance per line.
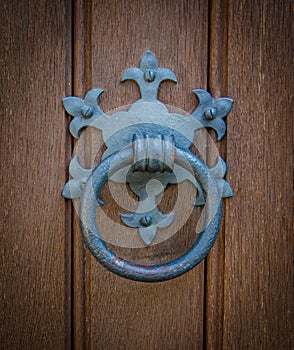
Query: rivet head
x=87, y=111
x=150, y=75
x=146, y=220
x=210, y=113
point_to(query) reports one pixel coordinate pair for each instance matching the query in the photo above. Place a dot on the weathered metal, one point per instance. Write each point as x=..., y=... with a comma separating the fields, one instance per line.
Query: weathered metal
x=214, y=188
x=145, y=143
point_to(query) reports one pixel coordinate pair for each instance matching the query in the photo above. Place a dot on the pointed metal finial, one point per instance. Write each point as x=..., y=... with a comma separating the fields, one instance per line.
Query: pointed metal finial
x=148, y=76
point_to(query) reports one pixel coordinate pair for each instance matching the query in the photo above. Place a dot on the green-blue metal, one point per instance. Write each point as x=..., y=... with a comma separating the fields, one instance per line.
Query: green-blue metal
x=154, y=143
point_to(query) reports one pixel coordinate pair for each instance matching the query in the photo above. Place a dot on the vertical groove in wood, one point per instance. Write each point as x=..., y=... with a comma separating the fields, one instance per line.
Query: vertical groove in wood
x=68, y=147
x=258, y=299
x=217, y=86
x=35, y=229
x=82, y=83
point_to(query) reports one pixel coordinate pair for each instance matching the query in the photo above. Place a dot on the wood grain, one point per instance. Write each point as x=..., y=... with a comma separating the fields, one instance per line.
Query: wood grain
x=258, y=291
x=217, y=84
x=120, y=313
x=81, y=76
x=35, y=224
x=242, y=297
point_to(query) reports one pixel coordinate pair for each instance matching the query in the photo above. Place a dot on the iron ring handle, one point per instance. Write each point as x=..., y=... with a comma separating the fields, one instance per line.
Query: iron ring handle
x=160, y=272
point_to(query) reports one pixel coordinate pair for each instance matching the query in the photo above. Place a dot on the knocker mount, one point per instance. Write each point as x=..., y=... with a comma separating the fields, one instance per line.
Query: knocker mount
x=145, y=143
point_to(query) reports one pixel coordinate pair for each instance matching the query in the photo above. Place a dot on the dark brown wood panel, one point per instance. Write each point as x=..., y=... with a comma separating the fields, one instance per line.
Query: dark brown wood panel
x=258, y=293
x=121, y=313
x=81, y=78
x=217, y=85
x=35, y=149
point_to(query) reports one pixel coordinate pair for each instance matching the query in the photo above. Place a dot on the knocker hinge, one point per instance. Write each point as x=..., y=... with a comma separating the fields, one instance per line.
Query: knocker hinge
x=153, y=153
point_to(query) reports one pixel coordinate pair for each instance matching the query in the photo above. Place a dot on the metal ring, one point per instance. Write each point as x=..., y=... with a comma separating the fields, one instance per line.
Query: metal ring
x=160, y=272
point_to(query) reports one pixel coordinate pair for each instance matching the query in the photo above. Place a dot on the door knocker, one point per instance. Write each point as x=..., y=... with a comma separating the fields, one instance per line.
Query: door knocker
x=148, y=142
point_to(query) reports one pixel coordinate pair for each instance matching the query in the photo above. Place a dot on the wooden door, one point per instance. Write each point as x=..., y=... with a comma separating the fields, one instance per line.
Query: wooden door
x=54, y=295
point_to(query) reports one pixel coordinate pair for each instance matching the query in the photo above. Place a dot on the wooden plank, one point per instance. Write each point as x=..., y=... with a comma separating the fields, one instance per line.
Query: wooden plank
x=217, y=85
x=35, y=226
x=258, y=292
x=82, y=76
x=121, y=313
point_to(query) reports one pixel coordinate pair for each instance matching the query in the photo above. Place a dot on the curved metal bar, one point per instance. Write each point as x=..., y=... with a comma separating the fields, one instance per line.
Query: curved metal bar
x=161, y=272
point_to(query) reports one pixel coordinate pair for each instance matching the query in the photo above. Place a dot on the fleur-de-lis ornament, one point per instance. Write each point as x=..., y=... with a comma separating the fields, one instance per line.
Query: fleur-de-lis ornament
x=148, y=147
x=146, y=118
